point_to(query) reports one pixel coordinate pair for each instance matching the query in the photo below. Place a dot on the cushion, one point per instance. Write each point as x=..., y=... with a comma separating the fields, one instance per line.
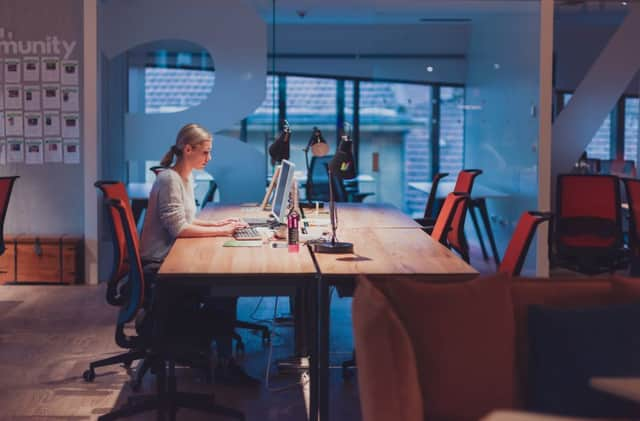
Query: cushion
x=463, y=338
x=387, y=375
x=568, y=347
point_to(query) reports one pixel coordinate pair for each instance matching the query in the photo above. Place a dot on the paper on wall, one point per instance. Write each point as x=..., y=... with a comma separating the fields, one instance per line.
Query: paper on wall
x=12, y=70
x=15, y=150
x=32, y=124
x=3, y=152
x=70, y=98
x=50, y=69
x=51, y=96
x=32, y=98
x=31, y=69
x=71, y=151
x=69, y=72
x=13, y=123
x=13, y=97
x=70, y=125
x=33, y=151
x=1, y=123
x=51, y=123
x=53, y=149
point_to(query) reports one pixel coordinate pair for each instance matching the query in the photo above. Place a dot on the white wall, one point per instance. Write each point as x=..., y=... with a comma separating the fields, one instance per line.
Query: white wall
x=501, y=135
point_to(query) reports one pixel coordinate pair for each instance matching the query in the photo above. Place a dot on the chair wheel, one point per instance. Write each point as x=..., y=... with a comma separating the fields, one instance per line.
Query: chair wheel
x=89, y=375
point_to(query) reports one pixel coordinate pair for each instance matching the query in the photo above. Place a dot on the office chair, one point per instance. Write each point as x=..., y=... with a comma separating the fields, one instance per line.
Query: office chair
x=115, y=294
x=211, y=192
x=317, y=187
x=516, y=252
x=429, y=217
x=163, y=348
x=156, y=169
x=6, y=187
x=619, y=167
x=456, y=238
x=632, y=188
x=342, y=194
x=587, y=231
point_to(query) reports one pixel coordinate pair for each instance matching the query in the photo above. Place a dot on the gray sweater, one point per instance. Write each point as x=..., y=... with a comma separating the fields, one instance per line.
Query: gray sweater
x=171, y=207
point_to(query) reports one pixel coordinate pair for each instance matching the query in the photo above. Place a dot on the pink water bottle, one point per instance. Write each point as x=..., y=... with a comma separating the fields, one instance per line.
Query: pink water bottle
x=293, y=222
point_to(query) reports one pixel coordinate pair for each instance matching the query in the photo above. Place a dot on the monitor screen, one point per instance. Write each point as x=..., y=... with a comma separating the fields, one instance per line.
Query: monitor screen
x=281, y=197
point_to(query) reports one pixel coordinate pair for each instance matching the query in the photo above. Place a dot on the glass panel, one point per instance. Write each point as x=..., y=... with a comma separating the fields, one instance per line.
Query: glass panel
x=311, y=102
x=631, y=111
x=262, y=123
x=395, y=125
x=451, y=130
x=600, y=145
x=348, y=102
x=174, y=90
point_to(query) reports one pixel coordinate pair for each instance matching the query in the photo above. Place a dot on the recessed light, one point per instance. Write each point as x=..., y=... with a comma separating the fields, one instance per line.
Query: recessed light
x=496, y=66
x=429, y=69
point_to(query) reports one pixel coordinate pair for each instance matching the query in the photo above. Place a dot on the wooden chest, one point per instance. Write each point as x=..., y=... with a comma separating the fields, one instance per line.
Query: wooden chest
x=56, y=260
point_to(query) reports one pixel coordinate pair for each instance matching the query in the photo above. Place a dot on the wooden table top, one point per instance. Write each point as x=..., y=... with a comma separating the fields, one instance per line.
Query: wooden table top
x=625, y=387
x=380, y=251
x=371, y=215
x=511, y=415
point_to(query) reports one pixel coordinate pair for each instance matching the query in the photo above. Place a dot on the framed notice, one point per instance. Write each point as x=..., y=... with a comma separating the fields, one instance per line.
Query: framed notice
x=53, y=149
x=69, y=72
x=51, y=123
x=51, y=97
x=12, y=70
x=31, y=69
x=1, y=123
x=15, y=150
x=3, y=151
x=32, y=98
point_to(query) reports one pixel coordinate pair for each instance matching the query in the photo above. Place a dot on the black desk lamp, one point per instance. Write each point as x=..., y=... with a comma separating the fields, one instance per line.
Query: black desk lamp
x=342, y=166
x=279, y=149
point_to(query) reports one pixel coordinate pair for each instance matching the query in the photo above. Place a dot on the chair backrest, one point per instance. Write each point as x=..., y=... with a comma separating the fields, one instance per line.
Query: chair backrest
x=431, y=200
x=516, y=252
x=445, y=217
x=116, y=197
x=588, y=211
x=619, y=167
x=464, y=182
x=317, y=187
x=6, y=187
x=213, y=186
x=632, y=188
x=157, y=168
x=339, y=191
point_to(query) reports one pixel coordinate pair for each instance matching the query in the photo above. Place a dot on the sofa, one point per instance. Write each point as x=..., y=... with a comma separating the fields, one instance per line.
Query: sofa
x=456, y=351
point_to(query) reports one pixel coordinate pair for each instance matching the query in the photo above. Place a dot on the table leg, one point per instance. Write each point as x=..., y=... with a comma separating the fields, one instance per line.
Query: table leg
x=482, y=205
x=472, y=213
x=314, y=380
x=323, y=348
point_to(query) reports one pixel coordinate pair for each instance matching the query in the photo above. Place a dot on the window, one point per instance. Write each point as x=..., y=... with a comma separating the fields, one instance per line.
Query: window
x=631, y=134
x=169, y=90
x=451, y=130
x=600, y=145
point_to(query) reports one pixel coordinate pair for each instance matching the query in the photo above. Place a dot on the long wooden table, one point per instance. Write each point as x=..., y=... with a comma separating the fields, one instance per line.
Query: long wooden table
x=386, y=242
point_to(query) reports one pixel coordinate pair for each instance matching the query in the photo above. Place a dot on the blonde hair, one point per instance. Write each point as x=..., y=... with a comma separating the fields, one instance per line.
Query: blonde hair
x=191, y=134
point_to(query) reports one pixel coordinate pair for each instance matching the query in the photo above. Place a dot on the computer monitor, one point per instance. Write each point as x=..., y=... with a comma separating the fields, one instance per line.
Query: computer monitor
x=281, y=196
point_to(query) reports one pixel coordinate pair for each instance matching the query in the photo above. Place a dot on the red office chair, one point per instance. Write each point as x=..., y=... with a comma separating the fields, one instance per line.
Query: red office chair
x=632, y=188
x=516, y=252
x=450, y=208
x=6, y=186
x=587, y=235
x=429, y=217
x=162, y=349
x=456, y=237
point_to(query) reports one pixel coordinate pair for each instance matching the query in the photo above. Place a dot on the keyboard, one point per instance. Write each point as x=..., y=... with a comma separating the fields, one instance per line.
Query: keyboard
x=249, y=233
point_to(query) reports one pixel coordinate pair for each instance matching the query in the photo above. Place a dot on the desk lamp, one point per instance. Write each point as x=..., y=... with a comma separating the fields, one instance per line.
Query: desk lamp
x=279, y=149
x=342, y=166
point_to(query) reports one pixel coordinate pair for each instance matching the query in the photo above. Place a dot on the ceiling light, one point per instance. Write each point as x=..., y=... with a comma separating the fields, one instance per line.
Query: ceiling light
x=429, y=69
x=496, y=66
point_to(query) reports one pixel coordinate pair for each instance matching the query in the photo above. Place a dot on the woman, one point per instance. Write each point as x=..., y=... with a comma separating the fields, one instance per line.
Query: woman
x=171, y=214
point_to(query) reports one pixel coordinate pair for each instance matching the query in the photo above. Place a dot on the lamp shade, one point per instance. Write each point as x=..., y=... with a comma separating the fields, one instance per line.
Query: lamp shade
x=343, y=164
x=317, y=144
x=279, y=149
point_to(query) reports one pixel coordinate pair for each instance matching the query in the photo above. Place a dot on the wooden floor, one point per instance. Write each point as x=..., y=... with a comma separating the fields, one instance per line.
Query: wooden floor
x=49, y=334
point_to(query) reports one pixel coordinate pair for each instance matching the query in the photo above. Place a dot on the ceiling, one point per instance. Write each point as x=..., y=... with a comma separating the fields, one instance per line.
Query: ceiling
x=416, y=11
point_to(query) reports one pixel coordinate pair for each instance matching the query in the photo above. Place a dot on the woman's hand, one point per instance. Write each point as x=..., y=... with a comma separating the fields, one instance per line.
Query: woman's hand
x=229, y=228
x=221, y=222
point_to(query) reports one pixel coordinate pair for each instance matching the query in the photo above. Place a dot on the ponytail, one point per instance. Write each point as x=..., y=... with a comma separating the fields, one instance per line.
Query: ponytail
x=168, y=157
